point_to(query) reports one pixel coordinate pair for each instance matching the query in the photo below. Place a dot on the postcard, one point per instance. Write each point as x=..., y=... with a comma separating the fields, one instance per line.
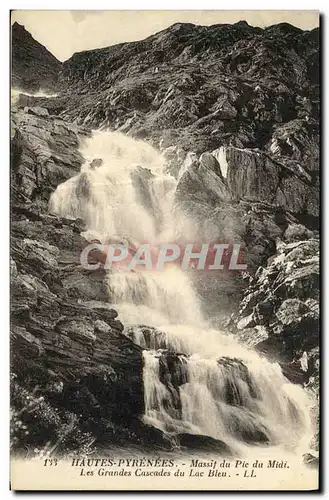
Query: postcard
x=165, y=187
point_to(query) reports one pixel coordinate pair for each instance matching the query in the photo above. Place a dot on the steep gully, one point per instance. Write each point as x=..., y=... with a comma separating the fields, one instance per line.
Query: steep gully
x=197, y=380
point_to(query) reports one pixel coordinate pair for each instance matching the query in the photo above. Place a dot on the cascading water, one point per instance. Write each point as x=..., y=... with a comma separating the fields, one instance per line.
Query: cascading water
x=15, y=95
x=196, y=379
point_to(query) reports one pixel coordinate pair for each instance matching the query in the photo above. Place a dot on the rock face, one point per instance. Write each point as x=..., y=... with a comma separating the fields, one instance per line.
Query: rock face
x=256, y=175
x=67, y=343
x=241, y=208
x=279, y=314
x=44, y=154
x=34, y=68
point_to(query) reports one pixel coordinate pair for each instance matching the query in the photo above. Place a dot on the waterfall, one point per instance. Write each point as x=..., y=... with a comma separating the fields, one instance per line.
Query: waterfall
x=196, y=379
x=16, y=93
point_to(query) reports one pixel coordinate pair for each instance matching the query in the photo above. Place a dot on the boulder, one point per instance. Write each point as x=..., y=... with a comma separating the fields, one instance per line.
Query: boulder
x=24, y=341
x=297, y=232
x=37, y=110
x=290, y=311
x=204, y=443
x=81, y=328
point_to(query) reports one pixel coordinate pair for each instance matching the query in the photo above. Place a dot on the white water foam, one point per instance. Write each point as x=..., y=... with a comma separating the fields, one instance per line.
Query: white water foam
x=114, y=207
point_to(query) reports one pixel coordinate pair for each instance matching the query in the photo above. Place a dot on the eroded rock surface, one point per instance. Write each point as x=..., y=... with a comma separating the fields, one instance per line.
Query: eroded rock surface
x=64, y=333
x=279, y=314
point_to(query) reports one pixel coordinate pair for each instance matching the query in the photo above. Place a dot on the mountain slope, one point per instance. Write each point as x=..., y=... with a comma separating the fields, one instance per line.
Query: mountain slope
x=33, y=66
x=198, y=86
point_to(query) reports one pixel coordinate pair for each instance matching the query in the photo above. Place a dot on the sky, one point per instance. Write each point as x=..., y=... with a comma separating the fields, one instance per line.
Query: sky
x=64, y=32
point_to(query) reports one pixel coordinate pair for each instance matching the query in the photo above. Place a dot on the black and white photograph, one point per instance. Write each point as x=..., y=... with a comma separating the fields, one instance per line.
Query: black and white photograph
x=164, y=250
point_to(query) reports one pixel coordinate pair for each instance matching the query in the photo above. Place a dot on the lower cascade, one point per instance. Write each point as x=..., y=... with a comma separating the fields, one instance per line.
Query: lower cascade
x=197, y=380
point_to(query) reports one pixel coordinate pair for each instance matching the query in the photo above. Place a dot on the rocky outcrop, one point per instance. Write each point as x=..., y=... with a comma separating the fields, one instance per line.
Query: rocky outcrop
x=240, y=208
x=67, y=343
x=197, y=443
x=34, y=68
x=44, y=154
x=60, y=310
x=257, y=201
x=281, y=181
x=279, y=314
